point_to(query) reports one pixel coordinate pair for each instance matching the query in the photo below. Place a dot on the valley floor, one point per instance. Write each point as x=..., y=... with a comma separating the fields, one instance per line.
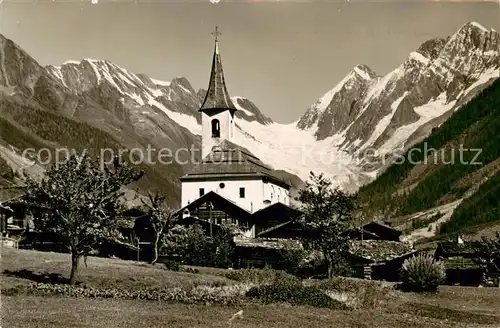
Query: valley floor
x=450, y=307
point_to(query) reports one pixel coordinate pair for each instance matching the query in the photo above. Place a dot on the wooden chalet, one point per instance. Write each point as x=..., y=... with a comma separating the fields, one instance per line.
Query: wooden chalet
x=259, y=252
x=14, y=220
x=276, y=221
x=214, y=208
x=462, y=261
x=379, y=259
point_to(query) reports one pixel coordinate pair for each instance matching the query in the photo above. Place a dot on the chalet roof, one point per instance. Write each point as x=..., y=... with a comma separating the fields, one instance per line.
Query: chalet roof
x=217, y=96
x=278, y=210
x=359, y=233
x=218, y=202
x=268, y=243
x=454, y=248
x=382, y=230
x=230, y=160
x=380, y=250
x=379, y=225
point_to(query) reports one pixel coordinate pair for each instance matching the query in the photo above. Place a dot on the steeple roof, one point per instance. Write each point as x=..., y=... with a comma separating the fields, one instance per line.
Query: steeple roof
x=217, y=96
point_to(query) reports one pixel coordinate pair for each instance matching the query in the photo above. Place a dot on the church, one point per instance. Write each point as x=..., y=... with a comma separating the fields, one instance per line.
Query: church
x=226, y=168
x=228, y=174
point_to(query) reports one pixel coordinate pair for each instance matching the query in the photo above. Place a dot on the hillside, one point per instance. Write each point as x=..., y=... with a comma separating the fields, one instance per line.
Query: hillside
x=448, y=174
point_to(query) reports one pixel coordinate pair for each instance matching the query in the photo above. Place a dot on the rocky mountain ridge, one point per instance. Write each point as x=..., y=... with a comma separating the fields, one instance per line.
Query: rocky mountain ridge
x=363, y=111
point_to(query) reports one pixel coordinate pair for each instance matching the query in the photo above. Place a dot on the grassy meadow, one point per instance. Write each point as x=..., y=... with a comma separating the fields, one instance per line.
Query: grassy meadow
x=372, y=304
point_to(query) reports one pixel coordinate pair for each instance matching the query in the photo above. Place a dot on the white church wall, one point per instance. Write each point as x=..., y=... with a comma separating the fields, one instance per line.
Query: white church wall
x=226, y=128
x=252, y=201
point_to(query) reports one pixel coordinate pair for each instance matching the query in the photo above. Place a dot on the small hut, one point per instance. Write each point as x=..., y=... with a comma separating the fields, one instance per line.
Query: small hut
x=379, y=259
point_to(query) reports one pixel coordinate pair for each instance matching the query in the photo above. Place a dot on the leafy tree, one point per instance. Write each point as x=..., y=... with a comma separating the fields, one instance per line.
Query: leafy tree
x=327, y=220
x=195, y=247
x=189, y=243
x=161, y=220
x=79, y=202
x=222, y=247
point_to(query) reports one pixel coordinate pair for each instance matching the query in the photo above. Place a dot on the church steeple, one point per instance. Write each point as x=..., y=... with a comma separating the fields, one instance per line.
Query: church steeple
x=217, y=96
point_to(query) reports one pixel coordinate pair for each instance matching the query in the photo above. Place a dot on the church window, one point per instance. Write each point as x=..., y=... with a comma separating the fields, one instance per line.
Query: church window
x=215, y=128
x=202, y=191
x=242, y=192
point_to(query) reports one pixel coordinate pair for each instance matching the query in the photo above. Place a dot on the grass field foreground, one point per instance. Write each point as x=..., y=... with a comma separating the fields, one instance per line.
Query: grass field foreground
x=450, y=307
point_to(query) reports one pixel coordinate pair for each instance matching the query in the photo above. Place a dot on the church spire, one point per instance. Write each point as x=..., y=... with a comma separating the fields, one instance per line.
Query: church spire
x=217, y=96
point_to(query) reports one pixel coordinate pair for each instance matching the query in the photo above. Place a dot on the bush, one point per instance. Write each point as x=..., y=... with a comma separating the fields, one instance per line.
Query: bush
x=357, y=293
x=172, y=265
x=422, y=273
x=190, y=270
x=261, y=276
x=294, y=294
x=201, y=294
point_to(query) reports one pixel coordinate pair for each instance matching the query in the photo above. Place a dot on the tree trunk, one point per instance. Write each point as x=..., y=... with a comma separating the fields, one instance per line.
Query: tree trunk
x=75, y=260
x=155, y=251
x=330, y=269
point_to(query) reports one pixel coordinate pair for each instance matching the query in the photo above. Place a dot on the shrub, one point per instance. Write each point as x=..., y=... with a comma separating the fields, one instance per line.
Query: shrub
x=261, y=276
x=357, y=293
x=294, y=294
x=201, y=294
x=422, y=273
x=172, y=265
x=190, y=270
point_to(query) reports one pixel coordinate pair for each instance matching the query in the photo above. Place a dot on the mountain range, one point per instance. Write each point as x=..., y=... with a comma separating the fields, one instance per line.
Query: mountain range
x=351, y=133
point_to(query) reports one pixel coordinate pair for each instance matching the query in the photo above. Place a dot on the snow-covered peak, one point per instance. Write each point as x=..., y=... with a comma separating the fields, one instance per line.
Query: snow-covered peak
x=364, y=72
x=160, y=82
x=417, y=56
x=477, y=25
x=358, y=72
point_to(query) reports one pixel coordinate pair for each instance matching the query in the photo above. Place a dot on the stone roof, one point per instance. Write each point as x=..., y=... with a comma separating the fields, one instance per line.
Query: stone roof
x=217, y=96
x=268, y=243
x=380, y=250
x=453, y=248
x=230, y=160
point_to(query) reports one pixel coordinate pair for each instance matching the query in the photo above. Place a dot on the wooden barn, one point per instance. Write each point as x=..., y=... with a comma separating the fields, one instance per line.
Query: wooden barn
x=215, y=209
x=379, y=259
x=462, y=261
x=275, y=216
x=259, y=252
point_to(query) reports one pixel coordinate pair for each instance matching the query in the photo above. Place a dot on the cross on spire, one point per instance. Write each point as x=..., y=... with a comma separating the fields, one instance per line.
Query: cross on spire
x=216, y=33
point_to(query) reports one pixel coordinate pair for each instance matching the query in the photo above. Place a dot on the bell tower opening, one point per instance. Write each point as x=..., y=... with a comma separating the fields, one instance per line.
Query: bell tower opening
x=215, y=128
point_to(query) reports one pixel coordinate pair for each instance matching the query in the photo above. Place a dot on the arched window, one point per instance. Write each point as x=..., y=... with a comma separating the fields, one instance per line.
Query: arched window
x=215, y=128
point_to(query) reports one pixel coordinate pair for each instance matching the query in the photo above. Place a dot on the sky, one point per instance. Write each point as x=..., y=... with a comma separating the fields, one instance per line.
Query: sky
x=282, y=55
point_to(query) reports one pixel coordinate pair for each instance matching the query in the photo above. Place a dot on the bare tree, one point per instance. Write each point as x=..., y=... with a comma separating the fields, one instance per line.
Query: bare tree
x=161, y=220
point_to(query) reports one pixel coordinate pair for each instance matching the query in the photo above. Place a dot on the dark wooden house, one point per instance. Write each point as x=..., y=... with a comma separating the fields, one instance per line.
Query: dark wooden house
x=259, y=252
x=215, y=209
x=377, y=230
x=279, y=218
x=379, y=259
x=462, y=261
